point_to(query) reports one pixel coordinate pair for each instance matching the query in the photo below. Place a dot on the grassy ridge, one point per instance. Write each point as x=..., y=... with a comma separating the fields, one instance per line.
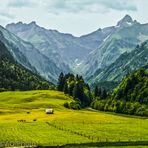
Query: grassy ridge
x=65, y=126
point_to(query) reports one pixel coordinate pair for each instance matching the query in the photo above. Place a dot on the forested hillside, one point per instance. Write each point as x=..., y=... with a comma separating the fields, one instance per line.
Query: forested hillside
x=130, y=97
x=14, y=76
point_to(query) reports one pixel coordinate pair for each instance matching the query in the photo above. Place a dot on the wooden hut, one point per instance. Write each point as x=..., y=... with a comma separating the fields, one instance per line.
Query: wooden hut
x=49, y=111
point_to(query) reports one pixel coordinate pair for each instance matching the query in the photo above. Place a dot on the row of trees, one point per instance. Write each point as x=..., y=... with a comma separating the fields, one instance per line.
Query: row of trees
x=120, y=106
x=79, y=90
x=130, y=97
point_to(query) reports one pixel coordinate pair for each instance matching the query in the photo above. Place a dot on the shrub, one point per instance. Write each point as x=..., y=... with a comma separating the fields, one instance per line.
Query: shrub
x=76, y=105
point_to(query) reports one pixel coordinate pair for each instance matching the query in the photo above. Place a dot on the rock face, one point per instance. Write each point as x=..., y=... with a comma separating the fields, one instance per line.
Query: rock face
x=124, y=65
x=127, y=20
x=83, y=55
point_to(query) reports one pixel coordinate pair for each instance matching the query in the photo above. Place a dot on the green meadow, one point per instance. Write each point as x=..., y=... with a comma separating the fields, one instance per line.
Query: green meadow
x=65, y=126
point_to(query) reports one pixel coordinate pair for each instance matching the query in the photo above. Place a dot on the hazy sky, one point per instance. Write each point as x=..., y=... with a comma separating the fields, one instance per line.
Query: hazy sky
x=72, y=16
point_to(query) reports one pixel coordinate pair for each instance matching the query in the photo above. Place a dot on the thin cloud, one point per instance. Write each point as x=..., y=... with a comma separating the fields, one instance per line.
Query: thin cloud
x=120, y=5
x=93, y=6
x=75, y=6
x=21, y=3
x=7, y=15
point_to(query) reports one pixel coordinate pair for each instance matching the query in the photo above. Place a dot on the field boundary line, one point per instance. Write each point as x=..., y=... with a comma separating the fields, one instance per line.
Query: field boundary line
x=70, y=131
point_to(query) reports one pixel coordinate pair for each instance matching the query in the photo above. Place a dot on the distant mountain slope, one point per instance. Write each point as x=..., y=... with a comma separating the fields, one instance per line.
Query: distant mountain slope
x=64, y=49
x=14, y=76
x=26, y=54
x=126, y=35
x=61, y=48
x=125, y=64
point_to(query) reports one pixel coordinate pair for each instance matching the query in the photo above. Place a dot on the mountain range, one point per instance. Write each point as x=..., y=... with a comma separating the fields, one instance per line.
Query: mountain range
x=96, y=55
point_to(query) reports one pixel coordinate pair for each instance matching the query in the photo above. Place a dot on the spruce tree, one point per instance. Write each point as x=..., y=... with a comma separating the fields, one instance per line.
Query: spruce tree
x=103, y=94
x=61, y=82
x=75, y=91
x=96, y=91
x=99, y=91
x=65, y=88
x=70, y=89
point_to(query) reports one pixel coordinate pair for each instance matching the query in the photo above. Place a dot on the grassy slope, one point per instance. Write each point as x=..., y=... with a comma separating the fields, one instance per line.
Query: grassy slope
x=65, y=126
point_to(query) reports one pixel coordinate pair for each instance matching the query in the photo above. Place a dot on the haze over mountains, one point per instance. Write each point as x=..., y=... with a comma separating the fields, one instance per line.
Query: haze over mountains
x=50, y=52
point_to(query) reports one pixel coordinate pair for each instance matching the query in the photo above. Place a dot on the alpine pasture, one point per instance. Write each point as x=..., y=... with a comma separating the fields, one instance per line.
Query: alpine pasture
x=23, y=118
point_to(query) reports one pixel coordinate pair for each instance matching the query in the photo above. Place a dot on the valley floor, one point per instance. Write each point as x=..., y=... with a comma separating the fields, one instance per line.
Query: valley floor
x=65, y=126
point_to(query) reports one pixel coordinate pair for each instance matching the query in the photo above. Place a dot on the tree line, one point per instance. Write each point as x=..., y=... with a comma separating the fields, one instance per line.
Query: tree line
x=129, y=97
x=76, y=87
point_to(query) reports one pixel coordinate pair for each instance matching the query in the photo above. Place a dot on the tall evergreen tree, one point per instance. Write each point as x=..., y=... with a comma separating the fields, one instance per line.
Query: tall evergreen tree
x=99, y=91
x=96, y=91
x=103, y=94
x=65, y=88
x=70, y=89
x=75, y=91
x=61, y=82
x=81, y=92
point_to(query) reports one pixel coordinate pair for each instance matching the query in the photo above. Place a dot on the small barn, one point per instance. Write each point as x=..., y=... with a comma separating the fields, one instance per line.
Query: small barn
x=49, y=111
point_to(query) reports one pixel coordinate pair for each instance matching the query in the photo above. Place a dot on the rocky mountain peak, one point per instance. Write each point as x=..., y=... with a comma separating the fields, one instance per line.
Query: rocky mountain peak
x=127, y=19
x=33, y=23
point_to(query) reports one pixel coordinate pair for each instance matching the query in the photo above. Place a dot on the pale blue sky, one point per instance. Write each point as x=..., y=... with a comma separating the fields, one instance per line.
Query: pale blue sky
x=72, y=16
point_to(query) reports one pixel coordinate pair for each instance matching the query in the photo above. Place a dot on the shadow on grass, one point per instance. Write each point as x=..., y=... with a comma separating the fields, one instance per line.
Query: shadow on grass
x=100, y=144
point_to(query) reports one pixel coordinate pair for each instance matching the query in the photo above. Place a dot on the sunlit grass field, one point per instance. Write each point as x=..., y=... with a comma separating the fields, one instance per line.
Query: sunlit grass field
x=65, y=126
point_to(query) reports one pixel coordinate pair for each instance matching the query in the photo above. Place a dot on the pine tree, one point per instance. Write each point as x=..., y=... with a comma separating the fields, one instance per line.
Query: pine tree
x=75, y=91
x=61, y=82
x=70, y=89
x=99, y=91
x=103, y=94
x=81, y=92
x=96, y=91
x=65, y=88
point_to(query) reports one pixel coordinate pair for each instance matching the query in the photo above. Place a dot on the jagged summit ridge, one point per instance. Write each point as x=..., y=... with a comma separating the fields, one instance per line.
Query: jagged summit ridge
x=127, y=19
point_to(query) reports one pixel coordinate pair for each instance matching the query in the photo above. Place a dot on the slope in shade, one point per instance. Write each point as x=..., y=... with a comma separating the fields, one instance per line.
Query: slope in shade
x=14, y=76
